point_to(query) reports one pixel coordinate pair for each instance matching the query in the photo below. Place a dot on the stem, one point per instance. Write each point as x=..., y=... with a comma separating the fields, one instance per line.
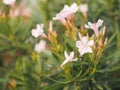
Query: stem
x=39, y=67
x=75, y=85
x=94, y=69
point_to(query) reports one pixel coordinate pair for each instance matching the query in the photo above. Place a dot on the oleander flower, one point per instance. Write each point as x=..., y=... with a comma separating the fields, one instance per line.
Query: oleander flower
x=66, y=13
x=9, y=2
x=41, y=46
x=69, y=58
x=95, y=26
x=84, y=45
x=83, y=8
x=38, y=31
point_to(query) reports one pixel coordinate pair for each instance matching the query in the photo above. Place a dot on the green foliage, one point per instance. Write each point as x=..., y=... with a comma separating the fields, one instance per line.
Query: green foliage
x=21, y=68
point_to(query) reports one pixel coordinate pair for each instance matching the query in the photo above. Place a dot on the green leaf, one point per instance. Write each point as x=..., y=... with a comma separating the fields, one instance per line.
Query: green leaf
x=115, y=68
x=99, y=87
x=111, y=38
x=4, y=80
x=107, y=87
x=54, y=87
x=4, y=37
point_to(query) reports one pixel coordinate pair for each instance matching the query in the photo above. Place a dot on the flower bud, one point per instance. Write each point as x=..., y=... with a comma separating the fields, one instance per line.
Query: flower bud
x=12, y=83
x=105, y=42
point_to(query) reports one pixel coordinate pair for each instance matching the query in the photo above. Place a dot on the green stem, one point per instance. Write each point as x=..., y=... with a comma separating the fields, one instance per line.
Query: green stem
x=39, y=67
x=94, y=69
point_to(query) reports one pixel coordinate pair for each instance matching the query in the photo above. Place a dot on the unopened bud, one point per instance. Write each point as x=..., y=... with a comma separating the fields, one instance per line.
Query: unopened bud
x=80, y=36
x=100, y=43
x=104, y=30
x=94, y=46
x=50, y=26
x=12, y=83
x=106, y=41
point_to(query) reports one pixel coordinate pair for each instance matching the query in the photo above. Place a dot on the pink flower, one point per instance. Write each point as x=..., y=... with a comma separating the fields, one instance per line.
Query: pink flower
x=9, y=2
x=69, y=58
x=84, y=45
x=38, y=31
x=95, y=26
x=66, y=13
x=41, y=46
x=83, y=9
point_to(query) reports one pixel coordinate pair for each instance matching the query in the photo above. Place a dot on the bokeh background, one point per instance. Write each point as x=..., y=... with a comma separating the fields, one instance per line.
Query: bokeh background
x=17, y=44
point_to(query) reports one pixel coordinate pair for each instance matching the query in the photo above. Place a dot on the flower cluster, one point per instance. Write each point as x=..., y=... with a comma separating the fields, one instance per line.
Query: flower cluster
x=86, y=44
x=92, y=44
x=16, y=10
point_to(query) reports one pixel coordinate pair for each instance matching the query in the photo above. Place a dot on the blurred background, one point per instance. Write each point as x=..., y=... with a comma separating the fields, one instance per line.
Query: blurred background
x=17, y=44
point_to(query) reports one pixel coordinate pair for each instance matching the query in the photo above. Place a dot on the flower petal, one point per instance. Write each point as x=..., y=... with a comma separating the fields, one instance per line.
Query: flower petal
x=86, y=26
x=66, y=13
x=79, y=44
x=90, y=43
x=35, y=33
x=40, y=27
x=82, y=51
x=66, y=54
x=88, y=50
x=84, y=40
x=72, y=55
x=41, y=46
x=66, y=61
x=99, y=23
x=91, y=25
x=74, y=7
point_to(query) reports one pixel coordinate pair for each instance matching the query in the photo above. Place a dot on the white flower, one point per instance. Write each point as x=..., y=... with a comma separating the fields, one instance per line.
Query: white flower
x=9, y=2
x=69, y=58
x=83, y=8
x=41, y=46
x=66, y=13
x=38, y=31
x=95, y=26
x=84, y=45
x=73, y=8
